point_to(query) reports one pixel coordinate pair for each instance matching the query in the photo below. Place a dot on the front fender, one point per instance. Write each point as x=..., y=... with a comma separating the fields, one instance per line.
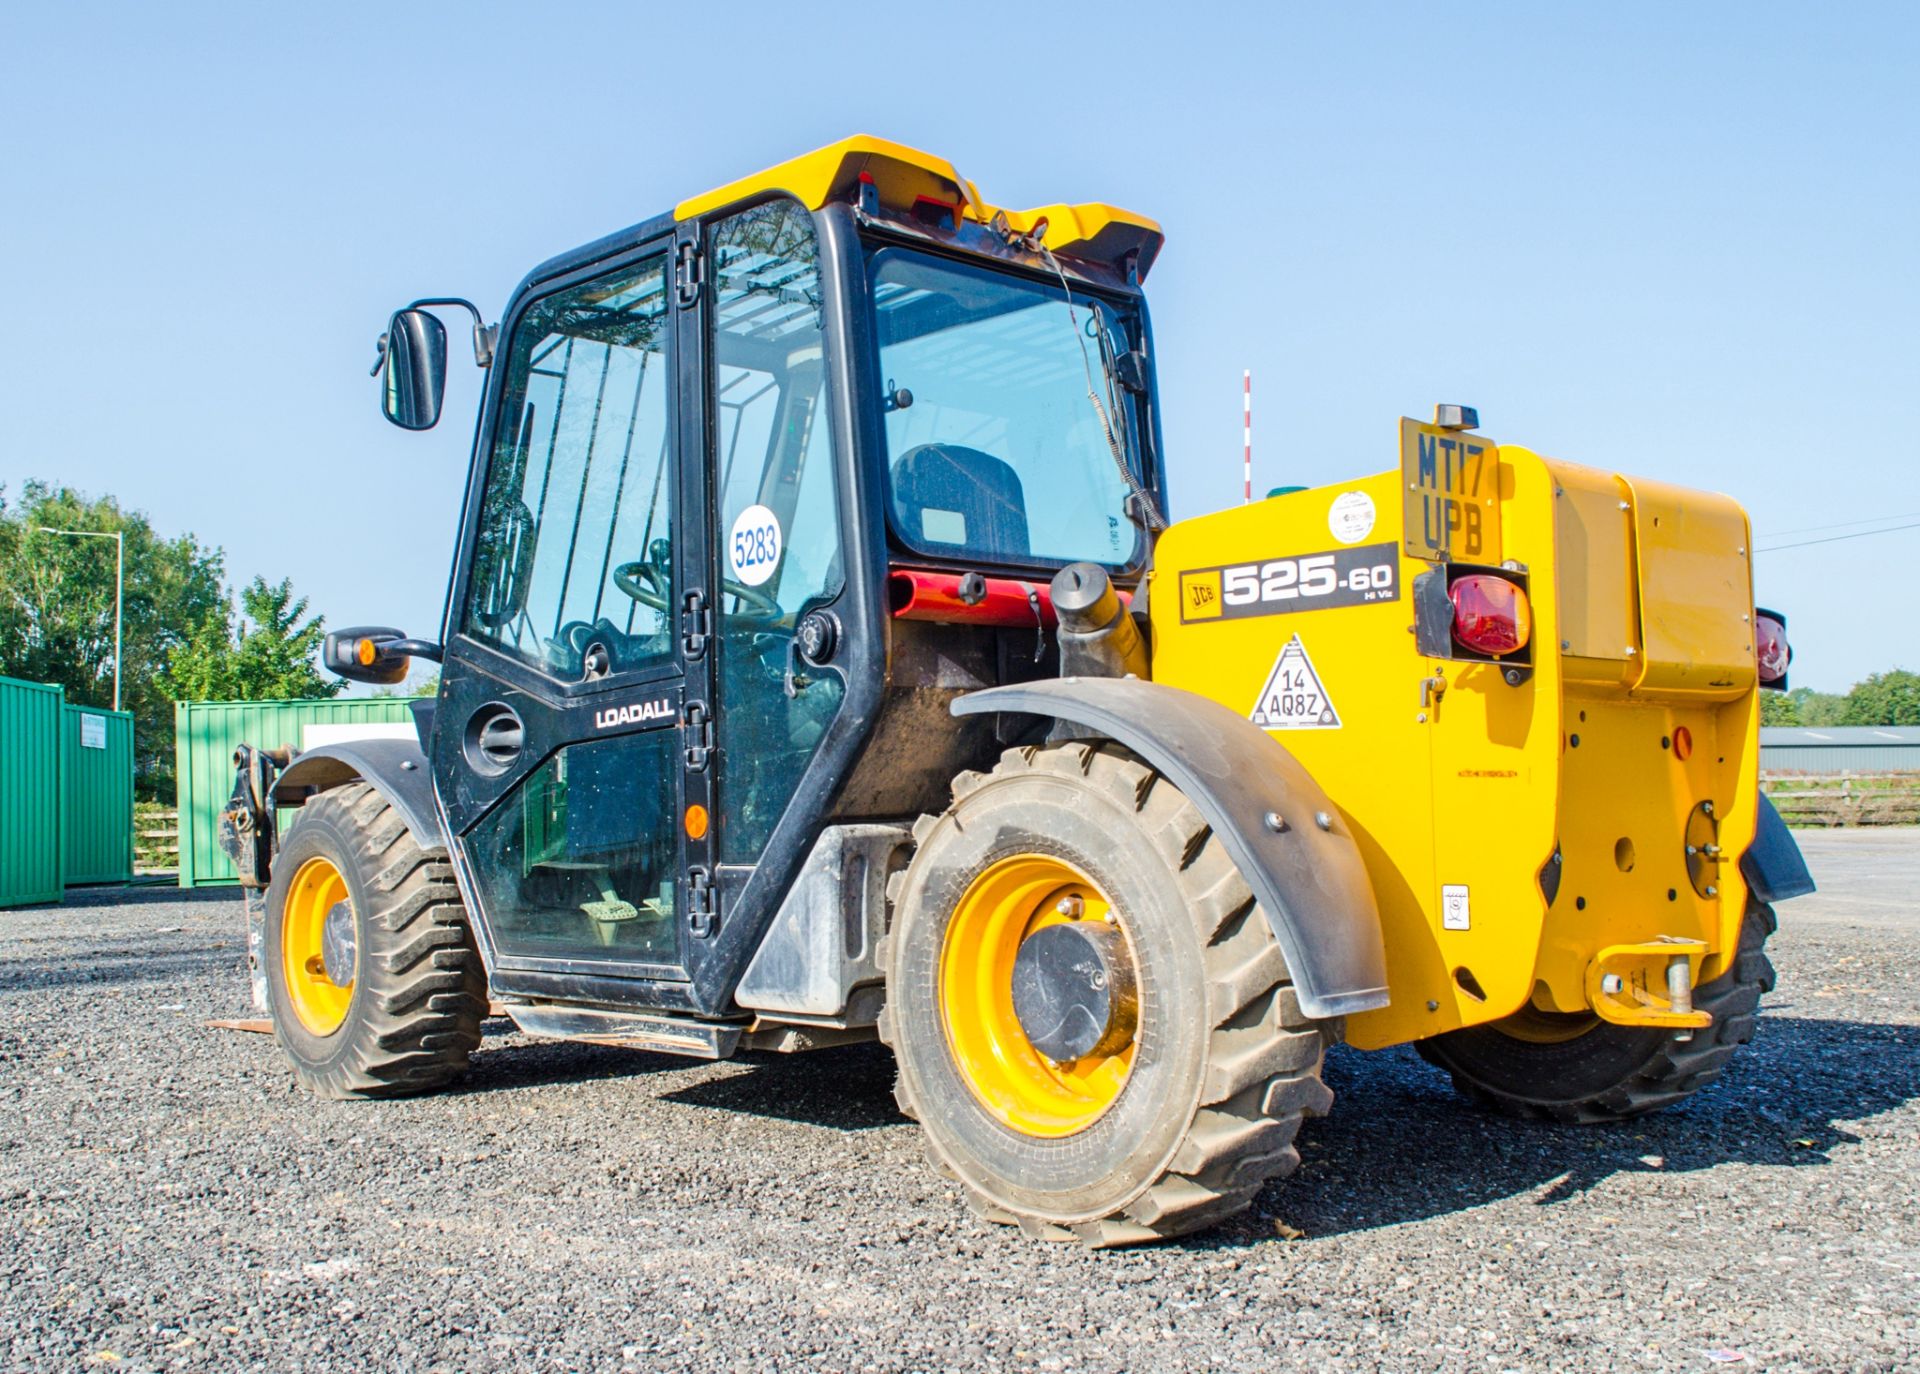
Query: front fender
x=396, y=768
x=1308, y=878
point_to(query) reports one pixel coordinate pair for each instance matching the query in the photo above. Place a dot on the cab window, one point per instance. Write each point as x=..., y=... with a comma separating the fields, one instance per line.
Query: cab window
x=575, y=541
x=996, y=450
x=776, y=516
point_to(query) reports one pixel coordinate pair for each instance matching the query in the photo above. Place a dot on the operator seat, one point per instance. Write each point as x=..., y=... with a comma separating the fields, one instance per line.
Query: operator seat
x=947, y=494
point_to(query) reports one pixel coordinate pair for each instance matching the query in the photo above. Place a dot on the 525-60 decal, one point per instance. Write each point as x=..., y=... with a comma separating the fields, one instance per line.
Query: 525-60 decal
x=1274, y=586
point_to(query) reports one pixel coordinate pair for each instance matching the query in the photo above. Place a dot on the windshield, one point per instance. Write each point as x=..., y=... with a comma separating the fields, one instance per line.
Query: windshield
x=995, y=453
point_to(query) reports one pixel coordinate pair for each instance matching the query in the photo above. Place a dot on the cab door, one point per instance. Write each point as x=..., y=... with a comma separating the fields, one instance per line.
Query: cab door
x=561, y=751
x=785, y=626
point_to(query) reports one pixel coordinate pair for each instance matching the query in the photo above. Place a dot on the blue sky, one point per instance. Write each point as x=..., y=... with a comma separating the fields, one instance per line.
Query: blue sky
x=1675, y=240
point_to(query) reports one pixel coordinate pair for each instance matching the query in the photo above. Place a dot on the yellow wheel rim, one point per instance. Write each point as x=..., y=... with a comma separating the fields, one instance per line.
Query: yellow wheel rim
x=1004, y=905
x=319, y=1002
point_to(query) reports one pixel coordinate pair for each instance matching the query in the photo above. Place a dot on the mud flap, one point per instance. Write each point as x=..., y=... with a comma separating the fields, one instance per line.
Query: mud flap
x=1773, y=865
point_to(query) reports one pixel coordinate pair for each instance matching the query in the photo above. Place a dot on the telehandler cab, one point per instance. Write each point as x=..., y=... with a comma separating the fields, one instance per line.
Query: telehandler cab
x=818, y=664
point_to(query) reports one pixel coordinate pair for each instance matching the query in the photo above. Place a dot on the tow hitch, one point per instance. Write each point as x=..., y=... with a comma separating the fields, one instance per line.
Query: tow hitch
x=1648, y=984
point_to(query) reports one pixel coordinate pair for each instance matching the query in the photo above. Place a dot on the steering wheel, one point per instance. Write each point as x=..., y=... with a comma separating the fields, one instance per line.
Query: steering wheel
x=646, y=583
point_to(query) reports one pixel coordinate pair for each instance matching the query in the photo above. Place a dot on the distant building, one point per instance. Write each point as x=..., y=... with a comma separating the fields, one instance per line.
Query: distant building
x=1839, y=749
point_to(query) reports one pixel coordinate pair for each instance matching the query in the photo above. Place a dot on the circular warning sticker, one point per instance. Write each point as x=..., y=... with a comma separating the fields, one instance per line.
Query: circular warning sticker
x=753, y=546
x=1351, y=518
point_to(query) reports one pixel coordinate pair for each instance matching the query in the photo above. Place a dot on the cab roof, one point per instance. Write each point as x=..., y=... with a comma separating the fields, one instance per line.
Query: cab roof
x=904, y=178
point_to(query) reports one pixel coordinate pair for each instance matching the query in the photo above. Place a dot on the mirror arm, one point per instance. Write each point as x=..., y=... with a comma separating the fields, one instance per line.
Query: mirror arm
x=484, y=335
x=417, y=648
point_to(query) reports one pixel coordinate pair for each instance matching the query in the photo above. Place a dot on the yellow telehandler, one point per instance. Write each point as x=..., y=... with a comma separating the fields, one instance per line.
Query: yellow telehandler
x=819, y=663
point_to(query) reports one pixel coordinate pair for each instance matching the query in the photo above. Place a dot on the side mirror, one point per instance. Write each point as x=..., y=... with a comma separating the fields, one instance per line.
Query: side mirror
x=366, y=653
x=413, y=366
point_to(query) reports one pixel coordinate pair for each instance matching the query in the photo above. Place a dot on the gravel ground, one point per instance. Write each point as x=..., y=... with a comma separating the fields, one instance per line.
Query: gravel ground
x=167, y=1200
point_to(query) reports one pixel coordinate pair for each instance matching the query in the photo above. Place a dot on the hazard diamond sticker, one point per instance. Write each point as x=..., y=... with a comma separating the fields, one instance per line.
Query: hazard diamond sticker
x=1293, y=698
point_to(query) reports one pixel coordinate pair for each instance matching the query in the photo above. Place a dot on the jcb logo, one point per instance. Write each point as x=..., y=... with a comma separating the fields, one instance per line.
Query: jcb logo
x=1200, y=595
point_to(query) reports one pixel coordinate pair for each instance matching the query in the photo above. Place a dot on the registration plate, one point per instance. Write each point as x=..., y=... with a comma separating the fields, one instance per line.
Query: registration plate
x=1452, y=481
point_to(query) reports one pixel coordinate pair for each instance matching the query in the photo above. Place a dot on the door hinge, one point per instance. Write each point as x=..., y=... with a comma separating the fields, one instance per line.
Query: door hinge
x=702, y=903
x=688, y=274
x=697, y=617
x=699, y=736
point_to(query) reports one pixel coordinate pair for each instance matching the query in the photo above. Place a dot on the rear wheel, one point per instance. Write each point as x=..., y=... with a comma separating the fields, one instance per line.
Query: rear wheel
x=373, y=980
x=1093, y=1021
x=1580, y=1068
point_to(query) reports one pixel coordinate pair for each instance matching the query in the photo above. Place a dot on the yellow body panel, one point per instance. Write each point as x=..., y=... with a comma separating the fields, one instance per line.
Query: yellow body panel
x=1461, y=785
x=900, y=174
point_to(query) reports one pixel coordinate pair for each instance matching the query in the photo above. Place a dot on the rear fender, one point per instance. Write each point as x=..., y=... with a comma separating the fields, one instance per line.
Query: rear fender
x=395, y=768
x=1309, y=878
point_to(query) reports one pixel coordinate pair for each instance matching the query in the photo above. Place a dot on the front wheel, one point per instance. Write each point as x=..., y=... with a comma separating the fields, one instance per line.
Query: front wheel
x=373, y=980
x=1577, y=1068
x=1094, y=1024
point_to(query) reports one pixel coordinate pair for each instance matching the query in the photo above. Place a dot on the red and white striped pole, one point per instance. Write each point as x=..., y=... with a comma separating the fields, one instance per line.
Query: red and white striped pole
x=1246, y=411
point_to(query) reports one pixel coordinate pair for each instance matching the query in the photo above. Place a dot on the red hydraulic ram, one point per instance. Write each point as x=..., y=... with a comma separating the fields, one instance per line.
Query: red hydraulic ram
x=916, y=594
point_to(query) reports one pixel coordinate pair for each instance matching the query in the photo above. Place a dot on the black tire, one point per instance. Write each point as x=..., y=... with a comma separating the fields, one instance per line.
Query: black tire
x=419, y=991
x=1225, y=1064
x=1608, y=1072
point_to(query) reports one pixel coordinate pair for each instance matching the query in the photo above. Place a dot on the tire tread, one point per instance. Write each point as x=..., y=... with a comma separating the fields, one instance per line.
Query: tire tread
x=1263, y=1063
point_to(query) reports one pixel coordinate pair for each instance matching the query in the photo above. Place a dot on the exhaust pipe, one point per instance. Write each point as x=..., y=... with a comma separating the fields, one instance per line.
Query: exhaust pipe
x=1098, y=636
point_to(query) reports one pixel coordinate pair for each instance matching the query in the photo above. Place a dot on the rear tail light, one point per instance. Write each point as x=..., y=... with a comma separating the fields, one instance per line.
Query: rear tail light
x=1490, y=614
x=1770, y=648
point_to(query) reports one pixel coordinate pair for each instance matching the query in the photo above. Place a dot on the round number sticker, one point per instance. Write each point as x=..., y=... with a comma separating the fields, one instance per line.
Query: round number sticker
x=1351, y=518
x=753, y=547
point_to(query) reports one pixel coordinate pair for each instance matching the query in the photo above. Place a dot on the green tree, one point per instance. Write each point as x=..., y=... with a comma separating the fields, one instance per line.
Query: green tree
x=1890, y=698
x=1812, y=708
x=1778, y=708
x=269, y=658
x=56, y=610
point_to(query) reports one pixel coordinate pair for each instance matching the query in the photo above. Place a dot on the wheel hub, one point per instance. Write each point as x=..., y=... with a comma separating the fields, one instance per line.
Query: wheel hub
x=1073, y=990
x=338, y=948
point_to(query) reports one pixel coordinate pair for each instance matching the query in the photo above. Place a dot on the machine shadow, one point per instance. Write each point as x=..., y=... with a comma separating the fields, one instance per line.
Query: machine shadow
x=846, y=1088
x=1402, y=1146
x=534, y=1063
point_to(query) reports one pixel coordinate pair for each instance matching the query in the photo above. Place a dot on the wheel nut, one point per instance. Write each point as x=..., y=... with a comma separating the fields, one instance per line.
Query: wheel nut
x=1070, y=907
x=1274, y=821
x=1323, y=820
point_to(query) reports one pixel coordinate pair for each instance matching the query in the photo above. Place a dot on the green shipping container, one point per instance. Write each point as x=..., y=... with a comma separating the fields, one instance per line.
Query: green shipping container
x=205, y=734
x=31, y=809
x=97, y=754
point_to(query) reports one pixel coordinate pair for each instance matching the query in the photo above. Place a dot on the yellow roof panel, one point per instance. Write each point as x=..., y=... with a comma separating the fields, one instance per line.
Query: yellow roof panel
x=902, y=174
